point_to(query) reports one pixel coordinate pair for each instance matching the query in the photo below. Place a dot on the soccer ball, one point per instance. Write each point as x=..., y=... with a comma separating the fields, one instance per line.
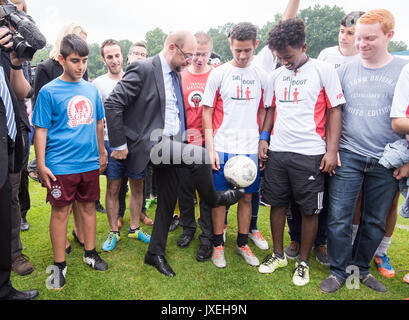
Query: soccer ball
x=240, y=171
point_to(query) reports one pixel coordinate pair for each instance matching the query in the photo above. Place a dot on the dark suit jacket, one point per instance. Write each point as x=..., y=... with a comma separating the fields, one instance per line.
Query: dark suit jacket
x=135, y=108
x=11, y=157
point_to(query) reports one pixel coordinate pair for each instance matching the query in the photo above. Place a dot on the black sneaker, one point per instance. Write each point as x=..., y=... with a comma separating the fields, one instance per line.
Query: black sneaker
x=95, y=261
x=56, y=280
x=175, y=223
x=99, y=207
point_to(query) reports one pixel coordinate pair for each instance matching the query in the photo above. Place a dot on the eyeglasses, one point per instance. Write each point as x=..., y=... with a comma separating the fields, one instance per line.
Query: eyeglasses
x=139, y=54
x=203, y=55
x=188, y=56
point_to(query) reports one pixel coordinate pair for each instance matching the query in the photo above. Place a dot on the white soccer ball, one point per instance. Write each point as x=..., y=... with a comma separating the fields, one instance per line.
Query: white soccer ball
x=240, y=171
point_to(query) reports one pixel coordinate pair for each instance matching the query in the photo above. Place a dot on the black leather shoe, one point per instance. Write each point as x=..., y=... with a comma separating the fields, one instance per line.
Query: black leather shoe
x=21, y=295
x=204, y=253
x=160, y=263
x=229, y=197
x=185, y=240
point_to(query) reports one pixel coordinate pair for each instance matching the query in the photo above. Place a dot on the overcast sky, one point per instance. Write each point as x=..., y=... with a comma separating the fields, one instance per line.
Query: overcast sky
x=131, y=19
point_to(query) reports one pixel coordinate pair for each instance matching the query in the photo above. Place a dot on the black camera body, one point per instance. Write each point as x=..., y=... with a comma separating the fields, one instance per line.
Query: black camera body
x=26, y=37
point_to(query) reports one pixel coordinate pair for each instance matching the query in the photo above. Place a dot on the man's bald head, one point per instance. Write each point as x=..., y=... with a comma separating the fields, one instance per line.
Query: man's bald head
x=179, y=48
x=179, y=38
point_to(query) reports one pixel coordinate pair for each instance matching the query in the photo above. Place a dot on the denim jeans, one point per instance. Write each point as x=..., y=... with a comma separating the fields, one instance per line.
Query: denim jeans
x=379, y=188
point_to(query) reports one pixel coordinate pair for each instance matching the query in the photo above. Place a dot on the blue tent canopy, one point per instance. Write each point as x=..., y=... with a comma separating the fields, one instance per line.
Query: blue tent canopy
x=401, y=53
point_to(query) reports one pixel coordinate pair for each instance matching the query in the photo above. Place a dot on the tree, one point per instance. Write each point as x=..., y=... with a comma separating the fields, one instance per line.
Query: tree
x=322, y=27
x=154, y=40
x=396, y=46
x=42, y=55
x=96, y=66
x=220, y=41
x=125, y=46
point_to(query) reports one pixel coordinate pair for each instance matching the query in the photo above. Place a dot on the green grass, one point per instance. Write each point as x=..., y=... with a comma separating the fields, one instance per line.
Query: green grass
x=128, y=278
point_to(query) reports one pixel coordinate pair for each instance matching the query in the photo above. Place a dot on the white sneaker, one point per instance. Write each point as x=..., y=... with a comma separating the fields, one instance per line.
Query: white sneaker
x=248, y=256
x=218, y=257
x=301, y=274
x=271, y=263
x=258, y=240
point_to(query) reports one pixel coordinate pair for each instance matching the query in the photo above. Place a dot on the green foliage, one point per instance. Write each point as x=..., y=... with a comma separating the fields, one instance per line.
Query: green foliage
x=96, y=66
x=154, y=41
x=220, y=42
x=125, y=46
x=396, y=46
x=42, y=55
x=322, y=27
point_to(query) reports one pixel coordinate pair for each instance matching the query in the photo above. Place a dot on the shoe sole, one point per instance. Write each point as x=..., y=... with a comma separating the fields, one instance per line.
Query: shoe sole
x=57, y=289
x=259, y=246
x=270, y=272
x=386, y=275
x=301, y=284
x=248, y=262
x=202, y=259
x=291, y=257
x=322, y=263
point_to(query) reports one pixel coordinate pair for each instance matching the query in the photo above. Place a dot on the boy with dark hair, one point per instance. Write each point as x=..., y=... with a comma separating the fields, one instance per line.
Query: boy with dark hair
x=304, y=95
x=233, y=108
x=343, y=53
x=70, y=153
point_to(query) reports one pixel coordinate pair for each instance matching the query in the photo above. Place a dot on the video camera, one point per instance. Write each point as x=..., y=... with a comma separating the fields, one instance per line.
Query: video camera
x=26, y=37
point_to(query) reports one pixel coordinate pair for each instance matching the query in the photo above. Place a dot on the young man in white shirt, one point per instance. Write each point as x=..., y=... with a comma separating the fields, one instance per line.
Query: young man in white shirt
x=232, y=100
x=112, y=56
x=305, y=98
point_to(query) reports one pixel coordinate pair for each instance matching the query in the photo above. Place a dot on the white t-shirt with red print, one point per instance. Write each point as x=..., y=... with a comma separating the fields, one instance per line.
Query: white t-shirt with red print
x=400, y=104
x=334, y=56
x=301, y=99
x=236, y=94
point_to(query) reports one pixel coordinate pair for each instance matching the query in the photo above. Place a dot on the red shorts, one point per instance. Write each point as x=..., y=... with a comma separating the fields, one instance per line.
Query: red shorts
x=82, y=187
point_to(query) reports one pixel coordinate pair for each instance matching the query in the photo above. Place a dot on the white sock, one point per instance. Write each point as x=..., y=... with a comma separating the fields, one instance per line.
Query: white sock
x=383, y=247
x=355, y=228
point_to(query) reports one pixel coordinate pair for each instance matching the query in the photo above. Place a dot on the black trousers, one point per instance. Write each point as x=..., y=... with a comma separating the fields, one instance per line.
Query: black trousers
x=166, y=157
x=5, y=238
x=24, y=195
x=186, y=195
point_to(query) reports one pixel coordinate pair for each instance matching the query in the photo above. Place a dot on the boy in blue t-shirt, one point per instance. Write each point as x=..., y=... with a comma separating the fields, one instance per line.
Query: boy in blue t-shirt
x=69, y=146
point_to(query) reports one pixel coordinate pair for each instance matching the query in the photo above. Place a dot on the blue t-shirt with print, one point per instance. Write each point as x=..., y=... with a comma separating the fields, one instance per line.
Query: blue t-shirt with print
x=70, y=111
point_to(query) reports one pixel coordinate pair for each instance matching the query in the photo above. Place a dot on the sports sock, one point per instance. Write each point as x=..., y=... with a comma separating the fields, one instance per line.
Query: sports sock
x=218, y=240
x=88, y=253
x=60, y=265
x=242, y=239
x=383, y=246
x=279, y=255
x=134, y=230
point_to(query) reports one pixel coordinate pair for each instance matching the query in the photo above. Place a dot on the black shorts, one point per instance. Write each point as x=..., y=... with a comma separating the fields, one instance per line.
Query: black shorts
x=294, y=175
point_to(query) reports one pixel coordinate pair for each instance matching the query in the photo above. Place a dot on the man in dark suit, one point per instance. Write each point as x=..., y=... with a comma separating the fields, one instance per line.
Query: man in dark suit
x=146, y=123
x=11, y=158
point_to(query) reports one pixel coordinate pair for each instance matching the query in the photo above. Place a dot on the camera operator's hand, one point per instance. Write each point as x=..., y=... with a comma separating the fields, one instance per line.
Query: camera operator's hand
x=5, y=38
x=14, y=60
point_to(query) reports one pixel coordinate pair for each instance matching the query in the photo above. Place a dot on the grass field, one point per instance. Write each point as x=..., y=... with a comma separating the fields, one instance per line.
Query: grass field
x=128, y=278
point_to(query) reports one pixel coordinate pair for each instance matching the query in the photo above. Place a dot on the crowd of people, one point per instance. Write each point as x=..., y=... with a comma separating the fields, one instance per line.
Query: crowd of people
x=328, y=136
